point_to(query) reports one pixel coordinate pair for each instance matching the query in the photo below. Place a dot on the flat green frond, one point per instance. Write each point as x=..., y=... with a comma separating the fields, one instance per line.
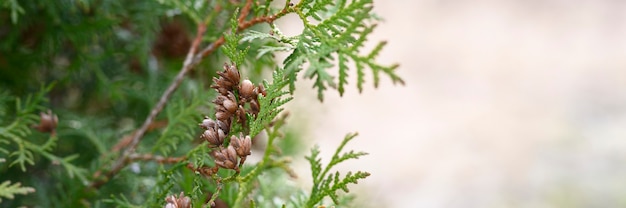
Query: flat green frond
x=73, y=170
x=336, y=40
x=343, y=73
x=315, y=162
x=271, y=104
x=230, y=48
x=251, y=35
x=313, y=7
x=342, y=183
x=182, y=118
x=327, y=185
x=21, y=157
x=8, y=190
x=17, y=131
x=272, y=49
x=166, y=181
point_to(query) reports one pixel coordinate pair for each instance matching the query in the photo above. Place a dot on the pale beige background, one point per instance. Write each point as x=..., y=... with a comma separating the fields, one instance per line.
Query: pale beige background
x=507, y=104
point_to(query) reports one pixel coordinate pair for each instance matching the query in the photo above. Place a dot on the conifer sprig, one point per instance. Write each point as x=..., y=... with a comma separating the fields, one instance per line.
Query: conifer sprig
x=181, y=125
x=8, y=190
x=327, y=185
x=336, y=40
x=17, y=131
x=271, y=104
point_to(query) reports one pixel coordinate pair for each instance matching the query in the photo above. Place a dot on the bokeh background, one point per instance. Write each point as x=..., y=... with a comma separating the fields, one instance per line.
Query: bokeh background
x=507, y=103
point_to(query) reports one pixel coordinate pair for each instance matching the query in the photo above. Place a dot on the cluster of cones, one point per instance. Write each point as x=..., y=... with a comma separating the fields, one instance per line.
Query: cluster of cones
x=231, y=104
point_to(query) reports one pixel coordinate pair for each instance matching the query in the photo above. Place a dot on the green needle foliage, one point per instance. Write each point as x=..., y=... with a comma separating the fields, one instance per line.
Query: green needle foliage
x=164, y=103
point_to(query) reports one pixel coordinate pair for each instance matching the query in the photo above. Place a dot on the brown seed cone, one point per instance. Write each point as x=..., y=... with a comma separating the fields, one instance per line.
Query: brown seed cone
x=222, y=115
x=230, y=106
x=226, y=158
x=221, y=86
x=241, y=115
x=242, y=145
x=226, y=103
x=261, y=89
x=246, y=89
x=254, y=107
x=231, y=73
x=47, y=123
x=181, y=201
x=207, y=123
x=224, y=125
x=213, y=136
x=228, y=80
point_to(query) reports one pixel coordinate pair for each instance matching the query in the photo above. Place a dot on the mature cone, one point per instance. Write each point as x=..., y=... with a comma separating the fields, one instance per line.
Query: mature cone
x=214, y=136
x=254, y=107
x=226, y=158
x=242, y=145
x=261, y=89
x=48, y=122
x=181, y=202
x=228, y=80
x=224, y=125
x=226, y=106
x=207, y=123
x=230, y=106
x=246, y=90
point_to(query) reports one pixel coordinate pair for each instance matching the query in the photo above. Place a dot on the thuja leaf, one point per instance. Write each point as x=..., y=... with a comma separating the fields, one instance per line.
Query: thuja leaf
x=164, y=184
x=336, y=40
x=315, y=162
x=73, y=170
x=271, y=104
x=327, y=185
x=182, y=123
x=8, y=190
x=312, y=7
x=343, y=73
x=230, y=48
x=17, y=130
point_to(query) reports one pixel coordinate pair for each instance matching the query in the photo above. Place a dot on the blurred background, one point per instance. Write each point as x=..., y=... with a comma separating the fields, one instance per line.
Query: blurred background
x=506, y=104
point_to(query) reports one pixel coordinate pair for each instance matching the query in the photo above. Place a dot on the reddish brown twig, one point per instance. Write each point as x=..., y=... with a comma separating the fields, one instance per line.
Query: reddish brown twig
x=245, y=11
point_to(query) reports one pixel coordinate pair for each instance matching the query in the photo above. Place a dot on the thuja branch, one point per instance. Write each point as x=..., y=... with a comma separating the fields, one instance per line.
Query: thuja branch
x=192, y=59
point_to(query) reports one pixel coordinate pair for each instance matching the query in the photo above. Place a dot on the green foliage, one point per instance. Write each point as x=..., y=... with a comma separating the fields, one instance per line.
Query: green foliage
x=341, y=32
x=232, y=42
x=163, y=186
x=8, y=190
x=327, y=185
x=112, y=60
x=182, y=118
x=15, y=133
x=271, y=103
